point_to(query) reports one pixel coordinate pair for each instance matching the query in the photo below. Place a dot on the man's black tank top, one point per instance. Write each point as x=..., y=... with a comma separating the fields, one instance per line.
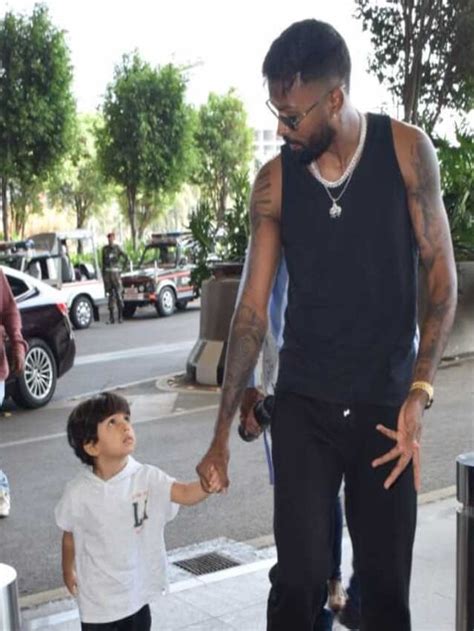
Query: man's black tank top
x=350, y=325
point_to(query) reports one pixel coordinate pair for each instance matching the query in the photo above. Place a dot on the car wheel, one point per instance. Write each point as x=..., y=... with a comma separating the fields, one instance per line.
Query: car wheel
x=181, y=305
x=166, y=302
x=81, y=312
x=129, y=311
x=37, y=383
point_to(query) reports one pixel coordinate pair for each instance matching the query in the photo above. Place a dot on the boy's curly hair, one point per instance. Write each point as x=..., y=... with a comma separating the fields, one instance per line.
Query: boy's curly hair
x=84, y=419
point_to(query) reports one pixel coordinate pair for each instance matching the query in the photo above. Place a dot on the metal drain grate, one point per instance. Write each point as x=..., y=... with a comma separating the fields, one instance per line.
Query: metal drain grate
x=206, y=563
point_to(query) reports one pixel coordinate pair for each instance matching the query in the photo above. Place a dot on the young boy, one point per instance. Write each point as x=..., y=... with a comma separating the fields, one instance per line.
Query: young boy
x=113, y=515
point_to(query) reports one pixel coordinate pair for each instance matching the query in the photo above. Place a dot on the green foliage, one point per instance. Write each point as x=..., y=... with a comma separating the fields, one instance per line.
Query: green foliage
x=144, y=143
x=226, y=242
x=423, y=53
x=223, y=147
x=133, y=253
x=237, y=229
x=25, y=200
x=204, y=230
x=457, y=176
x=79, y=184
x=36, y=103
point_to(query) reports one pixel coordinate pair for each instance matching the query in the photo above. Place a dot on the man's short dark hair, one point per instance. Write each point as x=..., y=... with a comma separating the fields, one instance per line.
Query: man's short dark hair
x=84, y=419
x=313, y=50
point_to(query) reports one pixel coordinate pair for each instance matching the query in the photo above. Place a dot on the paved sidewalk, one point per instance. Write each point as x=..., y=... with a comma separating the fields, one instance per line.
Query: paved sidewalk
x=235, y=599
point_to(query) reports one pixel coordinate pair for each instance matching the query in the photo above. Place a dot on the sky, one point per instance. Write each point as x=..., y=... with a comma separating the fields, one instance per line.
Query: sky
x=226, y=40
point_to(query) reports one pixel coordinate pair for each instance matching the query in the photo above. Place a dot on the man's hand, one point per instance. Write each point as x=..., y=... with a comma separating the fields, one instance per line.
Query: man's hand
x=212, y=469
x=407, y=437
x=18, y=361
x=247, y=417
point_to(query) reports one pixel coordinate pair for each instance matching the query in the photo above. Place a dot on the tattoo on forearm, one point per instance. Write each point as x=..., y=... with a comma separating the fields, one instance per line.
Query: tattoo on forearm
x=434, y=335
x=247, y=334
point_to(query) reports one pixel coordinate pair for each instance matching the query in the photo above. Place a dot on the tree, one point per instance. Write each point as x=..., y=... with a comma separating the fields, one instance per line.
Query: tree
x=145, y=140
x=36, y=103
x=457, y=179
x=423, y=53
x=224, y=147
x=25, y=200
x=79, y=185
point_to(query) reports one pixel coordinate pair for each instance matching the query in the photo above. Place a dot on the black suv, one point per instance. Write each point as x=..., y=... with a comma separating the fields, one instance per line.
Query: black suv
x=48, y=332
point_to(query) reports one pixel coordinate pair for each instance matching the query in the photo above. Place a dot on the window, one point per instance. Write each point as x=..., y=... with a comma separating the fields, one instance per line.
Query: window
x=17, y=286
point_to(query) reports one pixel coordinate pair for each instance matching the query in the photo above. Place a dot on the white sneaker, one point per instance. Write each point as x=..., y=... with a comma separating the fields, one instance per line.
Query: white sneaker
x=4, y=503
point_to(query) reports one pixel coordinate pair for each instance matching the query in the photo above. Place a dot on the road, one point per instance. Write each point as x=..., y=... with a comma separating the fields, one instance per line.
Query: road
x=140, y=348
x=173, y=430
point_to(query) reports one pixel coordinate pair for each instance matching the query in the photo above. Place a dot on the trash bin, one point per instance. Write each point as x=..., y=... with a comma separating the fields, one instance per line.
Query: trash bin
x=465, y=543
x=10, y=619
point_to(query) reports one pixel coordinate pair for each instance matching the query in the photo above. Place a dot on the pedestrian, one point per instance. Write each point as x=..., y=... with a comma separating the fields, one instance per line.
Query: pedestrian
x=113, y=515
x=253, y=393
x=354, y=199
x=112, y=255
x=10, y=326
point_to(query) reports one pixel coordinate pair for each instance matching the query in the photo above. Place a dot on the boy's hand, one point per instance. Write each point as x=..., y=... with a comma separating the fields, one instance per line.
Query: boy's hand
x=70, y=580
x=213, y=480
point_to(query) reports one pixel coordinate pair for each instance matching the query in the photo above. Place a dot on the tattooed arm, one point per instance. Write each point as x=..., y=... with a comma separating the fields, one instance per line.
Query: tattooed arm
x=249, y=322
x=420, y=171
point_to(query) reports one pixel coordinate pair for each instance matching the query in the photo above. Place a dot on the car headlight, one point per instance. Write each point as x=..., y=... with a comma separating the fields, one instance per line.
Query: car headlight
x=141, y=288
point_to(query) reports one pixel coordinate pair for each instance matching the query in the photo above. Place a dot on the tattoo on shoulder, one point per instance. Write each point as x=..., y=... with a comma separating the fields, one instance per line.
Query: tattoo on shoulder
x=261, y=202
x=425, y=195
x=426, y=185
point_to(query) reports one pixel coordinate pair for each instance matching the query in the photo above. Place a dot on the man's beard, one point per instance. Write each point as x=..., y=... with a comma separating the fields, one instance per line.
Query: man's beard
x=315, y=147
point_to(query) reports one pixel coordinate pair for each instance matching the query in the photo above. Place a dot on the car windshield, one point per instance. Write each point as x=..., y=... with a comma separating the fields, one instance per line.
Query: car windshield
x=11, y=261
x=162, y=255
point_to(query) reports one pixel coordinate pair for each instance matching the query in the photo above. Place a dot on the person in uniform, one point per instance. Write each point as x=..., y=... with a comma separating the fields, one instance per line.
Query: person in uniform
x=112, y=253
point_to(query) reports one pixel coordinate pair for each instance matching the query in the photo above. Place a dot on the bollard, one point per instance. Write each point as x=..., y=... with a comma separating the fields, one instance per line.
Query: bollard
x=10, y=619
x=465, y=543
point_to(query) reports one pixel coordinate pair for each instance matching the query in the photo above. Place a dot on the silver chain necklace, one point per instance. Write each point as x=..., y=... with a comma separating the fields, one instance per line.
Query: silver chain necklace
x=335, y=211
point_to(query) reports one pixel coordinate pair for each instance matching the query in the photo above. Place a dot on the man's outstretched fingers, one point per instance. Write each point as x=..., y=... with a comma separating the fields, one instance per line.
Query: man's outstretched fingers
x=397, y=471
x=417, y=466
x=390, y=433
x=390, y=455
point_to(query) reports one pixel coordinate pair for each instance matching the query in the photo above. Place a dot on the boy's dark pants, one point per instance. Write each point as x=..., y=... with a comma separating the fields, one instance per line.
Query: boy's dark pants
x=139, y=621
x=315, y=444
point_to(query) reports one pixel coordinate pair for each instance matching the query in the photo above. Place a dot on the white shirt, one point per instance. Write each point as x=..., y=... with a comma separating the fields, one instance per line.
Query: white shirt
x=118, y=529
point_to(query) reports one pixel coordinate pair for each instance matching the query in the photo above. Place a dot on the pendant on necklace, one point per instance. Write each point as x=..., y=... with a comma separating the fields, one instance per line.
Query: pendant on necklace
x=335, y=211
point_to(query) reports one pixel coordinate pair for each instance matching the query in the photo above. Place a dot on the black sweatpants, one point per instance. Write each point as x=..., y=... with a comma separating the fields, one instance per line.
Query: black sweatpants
x=315, y=444
x=139, y=621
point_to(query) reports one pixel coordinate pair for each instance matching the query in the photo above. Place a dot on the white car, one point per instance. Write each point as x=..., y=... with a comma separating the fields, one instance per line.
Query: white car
x=46, y=256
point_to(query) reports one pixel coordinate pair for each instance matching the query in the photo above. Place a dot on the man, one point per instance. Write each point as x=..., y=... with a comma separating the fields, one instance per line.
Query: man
x=111, y=256
x=353, y=199
x=10, y=325
x=248, y=422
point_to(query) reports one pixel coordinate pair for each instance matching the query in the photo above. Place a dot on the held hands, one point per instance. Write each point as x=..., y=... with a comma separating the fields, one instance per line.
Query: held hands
x=407, y=437
x=212, y=469
x=213, y=481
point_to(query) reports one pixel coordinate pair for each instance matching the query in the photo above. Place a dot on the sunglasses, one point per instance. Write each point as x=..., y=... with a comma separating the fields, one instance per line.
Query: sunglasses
x=294, y=121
